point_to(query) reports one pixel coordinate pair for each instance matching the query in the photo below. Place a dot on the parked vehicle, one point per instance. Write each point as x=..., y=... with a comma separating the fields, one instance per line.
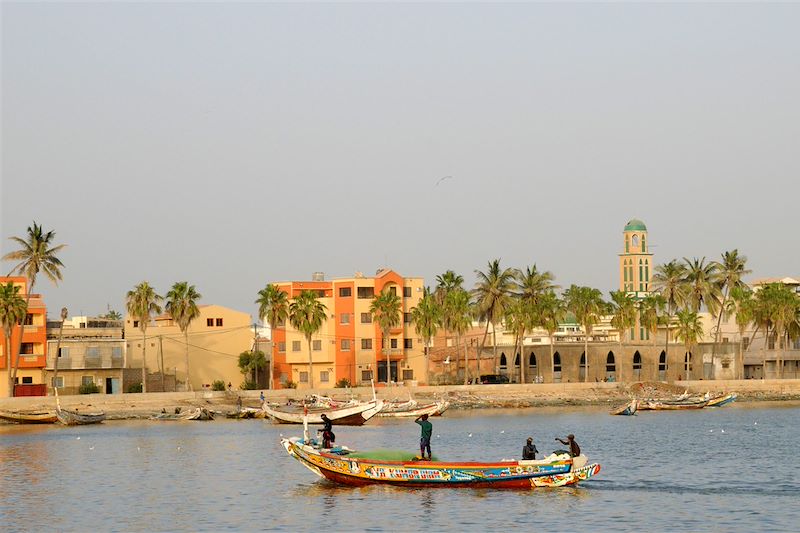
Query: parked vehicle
x=493, y=379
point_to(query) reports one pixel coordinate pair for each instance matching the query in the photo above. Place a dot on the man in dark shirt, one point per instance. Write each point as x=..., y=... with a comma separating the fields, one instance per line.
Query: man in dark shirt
x=529, y=451
x=425, y=438
x=574, y=449
x=327, y=431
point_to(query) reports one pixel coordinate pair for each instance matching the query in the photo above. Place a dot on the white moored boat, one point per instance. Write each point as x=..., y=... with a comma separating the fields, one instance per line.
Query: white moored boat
x=354, y=415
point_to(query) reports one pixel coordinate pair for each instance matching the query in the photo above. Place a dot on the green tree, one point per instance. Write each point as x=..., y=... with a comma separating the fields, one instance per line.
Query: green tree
x=251, y=362
x=445, y=284
x=182, y=307
x=519, y=320
x=689, y=329
x=427, y=317
x=729, y=274
x=668, y=281
x=306, y=315
x=112, y=315
x=742, y=306
x=623, y=309
x=492, y=294
x=701, y=286
x=142, y=303
x=273, y=307
x=778, y=305
x=550, y=313
x=651, y=313
x=458, y=317
x=387, y=310
x=588, y=306
x=12, y=310
x=36, y=254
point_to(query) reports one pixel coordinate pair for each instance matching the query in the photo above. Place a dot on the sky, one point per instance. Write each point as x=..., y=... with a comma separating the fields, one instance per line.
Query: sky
x=233, y=145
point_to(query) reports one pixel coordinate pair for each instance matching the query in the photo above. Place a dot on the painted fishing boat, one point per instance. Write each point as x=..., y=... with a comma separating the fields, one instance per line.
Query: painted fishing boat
x=354, y=415
x=199, y=413
x=722, y=399
x=676, y=406
x=433, y=409
x=341, y=465
x=628, y=409
x=74, y=418
x=29, y=417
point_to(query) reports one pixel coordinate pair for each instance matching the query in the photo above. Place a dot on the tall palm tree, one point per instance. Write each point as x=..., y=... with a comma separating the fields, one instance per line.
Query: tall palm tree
x=458, y=313
x=763, y=313
x=742, y=306
x=651, y=311
x=306, y=315
x=623, y=308
x=273, y=306
x=387, y=310
x=689, y=329
x=588, y=306
x=182, y=307
x=668, y=281
x=12, y=310
x=64, y=313
x=492, y=294
x=729, y=274
x=427, y=317
x=783, y=305
x=142, y=303
x=550, y=312
x=519, y=320
x=447, y=282
x=531, y=284
x=36, y=254
x=701, y=287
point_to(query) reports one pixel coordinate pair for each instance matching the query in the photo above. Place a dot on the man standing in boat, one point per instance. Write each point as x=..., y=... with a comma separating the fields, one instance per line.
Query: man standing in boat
x=327, y=431
x=529, y=450
x=574, y=449
x=425, y=438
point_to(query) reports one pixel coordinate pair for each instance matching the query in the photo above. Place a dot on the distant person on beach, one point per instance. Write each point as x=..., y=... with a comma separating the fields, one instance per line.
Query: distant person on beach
x=574, y=449
x=327, y=432
x=425, y=438
x=262, y=396
x=529, y=451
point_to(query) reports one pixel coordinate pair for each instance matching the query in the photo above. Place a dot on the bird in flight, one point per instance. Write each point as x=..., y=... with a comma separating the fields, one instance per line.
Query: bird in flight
x=442, y=179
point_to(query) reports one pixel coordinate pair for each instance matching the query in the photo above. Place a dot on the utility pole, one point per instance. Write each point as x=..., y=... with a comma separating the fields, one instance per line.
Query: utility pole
x=255, y=349
x=161, y=356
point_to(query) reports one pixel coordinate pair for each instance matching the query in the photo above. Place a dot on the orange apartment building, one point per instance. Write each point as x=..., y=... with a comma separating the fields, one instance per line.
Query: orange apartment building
x=348, y=346
x=33, y=350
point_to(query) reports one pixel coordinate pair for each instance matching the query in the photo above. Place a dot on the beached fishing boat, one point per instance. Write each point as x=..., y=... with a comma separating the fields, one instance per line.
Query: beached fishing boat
x=722, y=399
x=74, y=418
x=200, y=413
x=354, y=415
x=344, y=466
x=433, y=409
x=628, y=409
x=675, y=406
x=29, y=417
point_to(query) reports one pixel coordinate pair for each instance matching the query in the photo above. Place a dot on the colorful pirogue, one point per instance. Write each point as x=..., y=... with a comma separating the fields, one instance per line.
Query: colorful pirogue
x=342, y=465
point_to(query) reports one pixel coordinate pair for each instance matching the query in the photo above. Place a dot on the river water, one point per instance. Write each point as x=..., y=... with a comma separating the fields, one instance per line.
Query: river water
x=729, y=469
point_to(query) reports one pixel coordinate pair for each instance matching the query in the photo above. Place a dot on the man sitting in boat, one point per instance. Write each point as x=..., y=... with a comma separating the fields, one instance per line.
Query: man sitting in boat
x=425, y=438
x=327, y=431
x=529, y=451
x=574, y=449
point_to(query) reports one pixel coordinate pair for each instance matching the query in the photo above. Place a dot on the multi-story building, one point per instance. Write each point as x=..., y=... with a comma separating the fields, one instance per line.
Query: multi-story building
x=91, y=351
x=349, y=344
x=215, y=340
x=33, y=349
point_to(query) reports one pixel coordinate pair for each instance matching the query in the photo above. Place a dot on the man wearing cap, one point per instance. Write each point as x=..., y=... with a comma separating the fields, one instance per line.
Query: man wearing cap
x=529, y=451
x=574, y=449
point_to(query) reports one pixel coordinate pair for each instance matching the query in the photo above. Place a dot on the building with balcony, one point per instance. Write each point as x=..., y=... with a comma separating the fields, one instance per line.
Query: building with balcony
x=350, y=344
x=33, y=348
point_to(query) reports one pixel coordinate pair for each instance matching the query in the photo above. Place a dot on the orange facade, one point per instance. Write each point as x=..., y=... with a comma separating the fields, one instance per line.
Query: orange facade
x=33, y=349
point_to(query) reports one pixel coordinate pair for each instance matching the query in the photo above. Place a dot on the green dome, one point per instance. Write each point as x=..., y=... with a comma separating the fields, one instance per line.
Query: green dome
x=635, y=224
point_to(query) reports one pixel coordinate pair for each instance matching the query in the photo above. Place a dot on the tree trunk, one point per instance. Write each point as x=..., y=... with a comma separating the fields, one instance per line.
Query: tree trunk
x=466, y=360
x=740, y=359
x=310, y=366
x=7, y=342
x=13, y=379
x=161, y=358
x=552, y=360
x=144, y=360
x=521, y=359
x=58, y=347
x=586, y=355
x=666, y=342
x=483, y=344
x=186, y=343
x=388, y=359
x=494, y=349
x=427, y=363
x=719, y=322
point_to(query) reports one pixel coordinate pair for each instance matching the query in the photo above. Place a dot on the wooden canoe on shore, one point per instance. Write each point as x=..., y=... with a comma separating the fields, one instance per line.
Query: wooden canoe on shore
x=29, y=417
x=74, y=418
x=433, y=409
x=723, y=399
x=355, y=415
x=629, y=409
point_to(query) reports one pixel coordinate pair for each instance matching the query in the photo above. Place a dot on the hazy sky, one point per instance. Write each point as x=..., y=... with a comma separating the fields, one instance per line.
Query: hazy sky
x=231, y=145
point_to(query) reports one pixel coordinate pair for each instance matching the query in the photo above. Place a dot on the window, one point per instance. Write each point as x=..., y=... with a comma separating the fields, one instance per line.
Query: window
x=366, y=292
x=295, y=346
x=345, y=345
x=345, y=292
x=219, y=322
x=637, y=361
x=303, y=377
x=406, y=292
x=209, y=322
x=406, y=318
x=116, y=351
x=408, y=373
x=393, y=344
x=366, y=318
x=136, y=323
x=366, y=344
x=324, y=376
x=92, y=351
x=745, y=342
x=87, y=380
x=320, y=293
x=27, y=380
x=408, y=344
x=393, y=290
x=316, y=345
x=556, y=362
x=28, y=322
x=57, y=382
x=345, y=318
x=281, y=323
x=26, y=348
x=64, y=352
x=366, y=375
x=282, y=347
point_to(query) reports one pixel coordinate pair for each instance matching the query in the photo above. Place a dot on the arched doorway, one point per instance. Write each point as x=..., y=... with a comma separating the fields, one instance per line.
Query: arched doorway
x=611, y=367
x=556, y=367
x=503, y=363
x=582, y=370
x=662, y=366
x=687, y=366
x=516, y=374
x=637, y=366
x=533, y=369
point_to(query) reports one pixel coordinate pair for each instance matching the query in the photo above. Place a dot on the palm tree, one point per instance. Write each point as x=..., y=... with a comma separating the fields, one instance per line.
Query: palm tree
x=142, y=303
x=668, y=281
x=427, y=317
x=36, y=254
x=386, y=308
x=306, y=315
x=492, y=294
x=182, y=307
x=651, y=311
x=64, y=313
x=701, y=287
x=519, y=319
x=273, y=306
x=623, y=308
x=550, y=313
x=13, y=309
x=446, y=283
x=587, y=305
x=458, y=315
x=531, y=284
x=252, y=361
x=730, y=272
x=689, y=329
x=782, y=305
x=741, y=305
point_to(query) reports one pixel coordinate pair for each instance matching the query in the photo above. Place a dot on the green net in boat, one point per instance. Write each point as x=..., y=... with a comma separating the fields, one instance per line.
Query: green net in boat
x=386, y=455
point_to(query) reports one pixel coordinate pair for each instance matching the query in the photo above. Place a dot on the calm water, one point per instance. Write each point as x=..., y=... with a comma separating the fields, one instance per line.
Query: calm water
x=731, y=469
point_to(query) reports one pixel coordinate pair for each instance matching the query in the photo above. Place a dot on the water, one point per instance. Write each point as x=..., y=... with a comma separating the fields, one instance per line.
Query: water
x=664, y=471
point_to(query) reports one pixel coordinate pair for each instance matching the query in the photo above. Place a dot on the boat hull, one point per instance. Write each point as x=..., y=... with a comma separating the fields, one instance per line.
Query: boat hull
x=560, y=471
x=434, y=409
x=722, y=400
x=356, y=415
x=71, y=418
x=47, y=417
